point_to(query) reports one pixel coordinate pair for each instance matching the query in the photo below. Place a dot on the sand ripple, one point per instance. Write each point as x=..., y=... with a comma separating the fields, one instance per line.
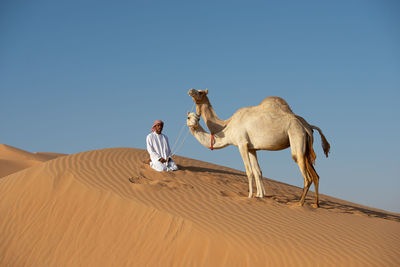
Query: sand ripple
x=82, y=210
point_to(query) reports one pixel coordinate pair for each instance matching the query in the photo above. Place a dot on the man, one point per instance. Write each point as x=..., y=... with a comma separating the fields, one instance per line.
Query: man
x=158, y=148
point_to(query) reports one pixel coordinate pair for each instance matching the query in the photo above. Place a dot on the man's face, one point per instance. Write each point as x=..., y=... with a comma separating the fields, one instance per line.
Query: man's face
x=159, y=128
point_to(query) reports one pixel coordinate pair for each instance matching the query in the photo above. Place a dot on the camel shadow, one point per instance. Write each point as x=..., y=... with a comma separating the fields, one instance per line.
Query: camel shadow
x=349, y=209
x=293, y=198
x=336, y=207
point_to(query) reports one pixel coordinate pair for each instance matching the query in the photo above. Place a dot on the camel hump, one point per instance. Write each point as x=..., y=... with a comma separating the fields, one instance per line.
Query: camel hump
x=277, y=102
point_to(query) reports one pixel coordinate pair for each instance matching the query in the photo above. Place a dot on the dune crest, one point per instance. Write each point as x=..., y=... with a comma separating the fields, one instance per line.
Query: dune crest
x=81, y=209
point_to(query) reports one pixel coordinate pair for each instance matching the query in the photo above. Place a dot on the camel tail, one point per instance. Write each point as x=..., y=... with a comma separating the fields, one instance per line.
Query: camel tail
x=325, y=145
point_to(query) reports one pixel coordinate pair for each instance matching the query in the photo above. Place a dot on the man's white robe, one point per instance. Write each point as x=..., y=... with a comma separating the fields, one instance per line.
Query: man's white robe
x=158, y=147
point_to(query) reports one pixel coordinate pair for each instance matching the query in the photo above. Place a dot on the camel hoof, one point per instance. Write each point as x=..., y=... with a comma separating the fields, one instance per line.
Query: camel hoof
x=300, y=204
x=315, y=205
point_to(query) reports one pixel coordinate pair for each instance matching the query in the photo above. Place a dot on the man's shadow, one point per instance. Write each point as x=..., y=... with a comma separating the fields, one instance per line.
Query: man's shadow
x=209, y=170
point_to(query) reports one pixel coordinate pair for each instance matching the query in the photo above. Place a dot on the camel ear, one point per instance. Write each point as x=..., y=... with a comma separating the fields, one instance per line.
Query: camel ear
x=206, y=91
x=188, y=113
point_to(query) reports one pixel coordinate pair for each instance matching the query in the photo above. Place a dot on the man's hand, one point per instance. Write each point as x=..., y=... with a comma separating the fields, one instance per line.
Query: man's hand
x=162, y=160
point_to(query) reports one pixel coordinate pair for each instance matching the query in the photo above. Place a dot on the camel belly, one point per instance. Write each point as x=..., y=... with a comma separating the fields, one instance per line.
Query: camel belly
x=260, y=128
x=263, y=131
x=269, y=142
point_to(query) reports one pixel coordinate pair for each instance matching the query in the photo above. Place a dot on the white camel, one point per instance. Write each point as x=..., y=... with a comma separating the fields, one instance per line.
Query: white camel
x=269, y=126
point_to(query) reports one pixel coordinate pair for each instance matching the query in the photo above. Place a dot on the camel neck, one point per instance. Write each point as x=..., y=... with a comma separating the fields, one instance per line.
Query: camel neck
x=212, y=121
x=211, y=141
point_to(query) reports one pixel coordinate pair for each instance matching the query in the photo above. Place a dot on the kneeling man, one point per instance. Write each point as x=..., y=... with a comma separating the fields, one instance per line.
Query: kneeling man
x=159, y=150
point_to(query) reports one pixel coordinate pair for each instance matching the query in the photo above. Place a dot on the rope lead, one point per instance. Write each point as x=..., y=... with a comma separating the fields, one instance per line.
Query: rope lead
x=175, y=146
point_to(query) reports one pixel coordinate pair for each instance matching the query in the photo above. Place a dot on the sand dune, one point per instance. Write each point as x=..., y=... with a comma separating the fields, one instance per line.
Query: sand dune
x=81, y=210
x=13, y=159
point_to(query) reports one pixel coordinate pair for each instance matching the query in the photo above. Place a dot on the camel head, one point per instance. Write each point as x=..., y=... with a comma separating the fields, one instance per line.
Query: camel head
x=198, y=96
x=192, y=120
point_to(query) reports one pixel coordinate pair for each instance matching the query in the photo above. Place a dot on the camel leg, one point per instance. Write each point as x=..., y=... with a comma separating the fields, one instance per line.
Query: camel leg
x=244, y=152
x=315, y=178
x=316, y=182
x=307, y=181
x=298, y=143
x=257, y=173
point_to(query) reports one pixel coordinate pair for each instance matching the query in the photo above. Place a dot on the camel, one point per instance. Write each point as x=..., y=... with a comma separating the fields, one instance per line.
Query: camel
x=271, y=125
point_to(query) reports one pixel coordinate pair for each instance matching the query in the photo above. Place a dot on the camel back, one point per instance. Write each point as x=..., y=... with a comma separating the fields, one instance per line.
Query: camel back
x=277, y=102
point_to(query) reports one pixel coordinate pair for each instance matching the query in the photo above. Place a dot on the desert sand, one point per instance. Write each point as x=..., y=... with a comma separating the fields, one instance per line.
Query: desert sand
x=81, y=210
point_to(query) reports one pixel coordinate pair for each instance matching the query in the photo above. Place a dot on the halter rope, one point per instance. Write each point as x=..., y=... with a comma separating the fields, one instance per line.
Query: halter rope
x=176, y=147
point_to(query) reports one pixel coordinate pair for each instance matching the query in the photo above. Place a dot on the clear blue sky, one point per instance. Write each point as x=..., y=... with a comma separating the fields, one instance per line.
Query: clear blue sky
x=84, y=75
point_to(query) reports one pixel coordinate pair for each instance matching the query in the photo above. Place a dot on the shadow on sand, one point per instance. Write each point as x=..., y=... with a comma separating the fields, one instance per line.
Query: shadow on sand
x=345, y=208
x=203, y=169
x=335, y=206
x=324, y=204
